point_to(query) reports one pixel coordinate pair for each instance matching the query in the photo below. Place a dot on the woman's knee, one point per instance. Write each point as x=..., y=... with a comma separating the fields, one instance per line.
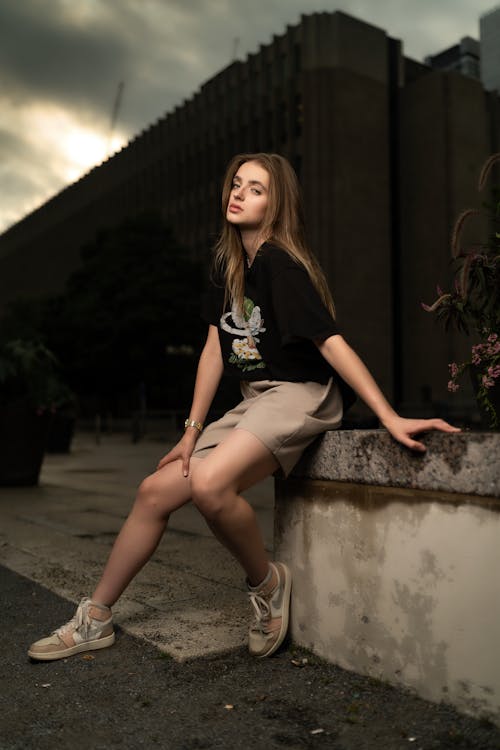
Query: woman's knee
x=208, y=493
x=149, y=498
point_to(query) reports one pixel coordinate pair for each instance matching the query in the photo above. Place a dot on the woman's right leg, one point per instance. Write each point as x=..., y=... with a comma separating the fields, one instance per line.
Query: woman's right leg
x=91, y=627
x=158, y=495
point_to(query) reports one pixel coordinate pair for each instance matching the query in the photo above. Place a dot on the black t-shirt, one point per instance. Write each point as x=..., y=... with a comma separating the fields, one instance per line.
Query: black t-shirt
x=274, y=337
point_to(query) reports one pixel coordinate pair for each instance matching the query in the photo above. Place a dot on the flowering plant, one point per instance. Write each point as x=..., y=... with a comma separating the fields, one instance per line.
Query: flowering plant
x=486, y=357
x=473, y=306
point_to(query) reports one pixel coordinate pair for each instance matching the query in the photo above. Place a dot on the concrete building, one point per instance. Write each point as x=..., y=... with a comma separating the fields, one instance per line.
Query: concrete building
x=463, y=57
x=489, y=28
x=387, y=150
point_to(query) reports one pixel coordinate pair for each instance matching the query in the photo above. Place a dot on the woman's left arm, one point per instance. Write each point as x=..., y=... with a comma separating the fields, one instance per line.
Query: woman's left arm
x=351, y=368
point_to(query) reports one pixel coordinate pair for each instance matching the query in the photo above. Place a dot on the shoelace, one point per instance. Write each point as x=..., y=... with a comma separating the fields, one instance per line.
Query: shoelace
x=79, y=619
x=262, y=611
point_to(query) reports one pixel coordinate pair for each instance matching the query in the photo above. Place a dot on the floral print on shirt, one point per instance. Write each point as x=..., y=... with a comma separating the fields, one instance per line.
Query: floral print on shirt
x=245, y=354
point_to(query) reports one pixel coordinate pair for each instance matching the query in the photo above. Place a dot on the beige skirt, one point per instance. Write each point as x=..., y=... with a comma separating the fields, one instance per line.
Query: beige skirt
x=285, y=416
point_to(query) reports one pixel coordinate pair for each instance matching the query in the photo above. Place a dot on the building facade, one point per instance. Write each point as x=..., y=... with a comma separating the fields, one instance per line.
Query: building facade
x=387, y=151
x=464, y=57
x=489, y=29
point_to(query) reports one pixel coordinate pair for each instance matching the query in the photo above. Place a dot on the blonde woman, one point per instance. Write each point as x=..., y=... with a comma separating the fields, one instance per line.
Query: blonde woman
x=271, y=323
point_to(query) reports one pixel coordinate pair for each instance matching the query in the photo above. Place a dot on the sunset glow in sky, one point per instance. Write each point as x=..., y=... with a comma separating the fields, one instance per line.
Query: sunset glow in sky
x=61, y=63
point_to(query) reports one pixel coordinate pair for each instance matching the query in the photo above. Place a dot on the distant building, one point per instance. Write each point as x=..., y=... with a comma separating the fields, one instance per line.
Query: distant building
x=489, y=27
x=388, y=153
x=463, y=57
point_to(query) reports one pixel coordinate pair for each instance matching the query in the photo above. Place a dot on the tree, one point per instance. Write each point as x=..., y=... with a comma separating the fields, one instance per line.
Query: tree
x=135, y=294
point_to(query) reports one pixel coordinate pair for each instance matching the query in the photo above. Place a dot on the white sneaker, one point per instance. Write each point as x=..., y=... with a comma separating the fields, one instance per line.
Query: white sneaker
x=90, y=628
x=271, y=602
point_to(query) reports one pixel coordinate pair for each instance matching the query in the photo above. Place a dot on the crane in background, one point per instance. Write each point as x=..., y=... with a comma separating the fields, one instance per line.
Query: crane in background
x=114, y=115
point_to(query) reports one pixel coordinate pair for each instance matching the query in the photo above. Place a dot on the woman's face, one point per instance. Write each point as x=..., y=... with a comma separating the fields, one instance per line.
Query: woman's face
x=249, y=196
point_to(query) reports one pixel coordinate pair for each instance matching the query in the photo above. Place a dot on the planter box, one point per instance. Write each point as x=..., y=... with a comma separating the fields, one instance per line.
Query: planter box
x=62, y=428
x=23, y=436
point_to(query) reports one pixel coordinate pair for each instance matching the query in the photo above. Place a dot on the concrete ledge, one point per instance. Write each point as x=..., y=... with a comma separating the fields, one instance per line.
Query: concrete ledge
x=467, y=462
x=399, y=582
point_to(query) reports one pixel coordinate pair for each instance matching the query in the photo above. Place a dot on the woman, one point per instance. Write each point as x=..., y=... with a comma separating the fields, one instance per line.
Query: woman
x=272, y=324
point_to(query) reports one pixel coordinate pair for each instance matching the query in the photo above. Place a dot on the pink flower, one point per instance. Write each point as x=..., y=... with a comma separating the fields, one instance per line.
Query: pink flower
x=478, y=352
x=485, y=357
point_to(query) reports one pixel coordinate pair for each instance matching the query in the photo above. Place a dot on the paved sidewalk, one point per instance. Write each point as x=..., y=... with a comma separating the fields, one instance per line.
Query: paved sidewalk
x=189, y=600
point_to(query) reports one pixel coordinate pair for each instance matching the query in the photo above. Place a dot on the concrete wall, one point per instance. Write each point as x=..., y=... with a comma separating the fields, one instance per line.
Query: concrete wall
x=399, y=583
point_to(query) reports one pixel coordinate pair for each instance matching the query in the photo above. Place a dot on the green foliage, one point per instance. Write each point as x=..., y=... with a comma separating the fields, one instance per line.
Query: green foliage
x=23, y=319
x=473, y=306
x=248, y=306
x=129, y=315
x=29, y=371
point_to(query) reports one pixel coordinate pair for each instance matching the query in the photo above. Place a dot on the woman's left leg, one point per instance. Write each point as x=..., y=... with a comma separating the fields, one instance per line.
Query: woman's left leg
x=237, y=463
x=233, y=466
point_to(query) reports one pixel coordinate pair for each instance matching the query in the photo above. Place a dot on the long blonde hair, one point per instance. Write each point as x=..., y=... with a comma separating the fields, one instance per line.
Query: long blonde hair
x=283, y=226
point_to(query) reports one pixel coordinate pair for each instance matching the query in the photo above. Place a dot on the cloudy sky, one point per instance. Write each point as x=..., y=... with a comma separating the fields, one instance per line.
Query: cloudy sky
x=61, y=63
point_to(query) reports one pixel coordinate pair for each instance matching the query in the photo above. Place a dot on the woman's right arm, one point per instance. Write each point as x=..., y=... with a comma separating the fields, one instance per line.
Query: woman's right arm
x=209, y=373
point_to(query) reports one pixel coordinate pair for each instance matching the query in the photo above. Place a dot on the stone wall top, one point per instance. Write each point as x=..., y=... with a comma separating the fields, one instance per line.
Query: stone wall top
x=467, y=462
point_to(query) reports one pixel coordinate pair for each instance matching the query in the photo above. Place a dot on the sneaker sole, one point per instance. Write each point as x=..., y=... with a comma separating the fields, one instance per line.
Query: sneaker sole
x=108, y=640
x=286, y=610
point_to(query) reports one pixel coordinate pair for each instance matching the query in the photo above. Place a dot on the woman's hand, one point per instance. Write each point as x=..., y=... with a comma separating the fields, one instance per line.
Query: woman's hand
x=183, y=450
x=404, y=429
x=350, y=367
x=208, y=375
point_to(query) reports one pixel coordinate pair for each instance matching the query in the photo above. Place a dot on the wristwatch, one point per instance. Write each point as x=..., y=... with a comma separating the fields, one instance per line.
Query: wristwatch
x=193, y=423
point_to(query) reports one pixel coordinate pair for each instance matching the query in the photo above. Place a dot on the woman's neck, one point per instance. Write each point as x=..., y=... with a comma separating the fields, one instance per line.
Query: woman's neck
x=251, y=239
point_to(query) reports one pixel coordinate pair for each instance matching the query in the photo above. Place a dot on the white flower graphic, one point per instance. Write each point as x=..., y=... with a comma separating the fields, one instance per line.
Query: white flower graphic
x=249, y=323
x=245, y=349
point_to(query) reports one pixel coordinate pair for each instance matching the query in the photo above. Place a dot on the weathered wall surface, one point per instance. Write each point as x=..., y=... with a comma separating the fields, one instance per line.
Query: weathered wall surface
x=399, y=583
x=465, y=462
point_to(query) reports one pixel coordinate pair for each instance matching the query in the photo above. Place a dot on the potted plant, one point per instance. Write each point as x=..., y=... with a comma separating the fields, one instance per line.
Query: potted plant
x=473, y=306
x=31, y=391
x=62, y=428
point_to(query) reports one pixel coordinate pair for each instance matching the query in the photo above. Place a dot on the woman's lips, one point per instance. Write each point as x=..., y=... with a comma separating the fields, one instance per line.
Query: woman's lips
x=233, y=207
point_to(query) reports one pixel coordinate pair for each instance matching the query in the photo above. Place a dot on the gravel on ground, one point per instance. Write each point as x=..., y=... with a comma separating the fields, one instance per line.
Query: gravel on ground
x=132, y=696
